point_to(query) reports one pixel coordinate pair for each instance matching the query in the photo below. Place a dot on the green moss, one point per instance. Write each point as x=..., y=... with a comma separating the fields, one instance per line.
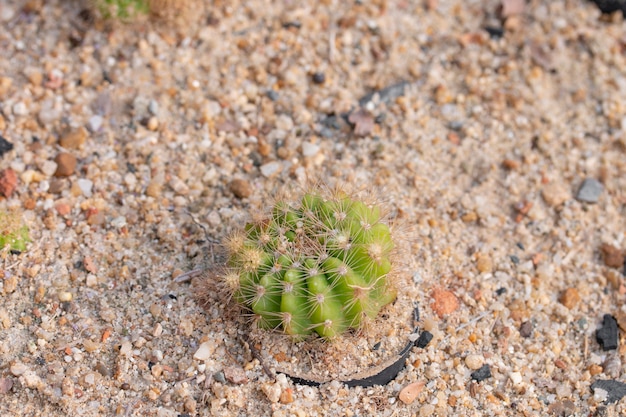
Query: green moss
x=12, y=232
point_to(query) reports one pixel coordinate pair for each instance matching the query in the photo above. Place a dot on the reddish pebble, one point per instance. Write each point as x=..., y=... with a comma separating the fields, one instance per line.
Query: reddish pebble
x=569, y=298
x=241, y=188
x=444, y=302
x=613, y=257
x=66, y=164
x=409, y=393
x=63, y=209
x=286, y=397
x=8, y=182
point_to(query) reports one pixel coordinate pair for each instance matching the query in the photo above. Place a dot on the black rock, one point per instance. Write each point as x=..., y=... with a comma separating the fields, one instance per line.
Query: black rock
x=424, y=339
x=610, y=6
x=494, y=32
x=607, y=335
x=319, y=78
x=481, y=374
x=526, y=329
x=615, y=389
x=5, y=146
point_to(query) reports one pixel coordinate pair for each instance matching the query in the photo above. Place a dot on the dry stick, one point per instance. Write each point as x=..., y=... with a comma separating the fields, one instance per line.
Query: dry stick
x=245, y=340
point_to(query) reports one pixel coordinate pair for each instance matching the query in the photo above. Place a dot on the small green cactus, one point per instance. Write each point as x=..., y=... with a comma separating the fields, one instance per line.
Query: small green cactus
x=12, y=233
x=321, y=265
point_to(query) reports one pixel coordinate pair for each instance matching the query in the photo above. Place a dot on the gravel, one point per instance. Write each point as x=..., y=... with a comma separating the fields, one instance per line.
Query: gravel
x=476, y=143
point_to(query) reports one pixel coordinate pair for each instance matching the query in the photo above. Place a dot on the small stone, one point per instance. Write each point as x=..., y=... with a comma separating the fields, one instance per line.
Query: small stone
x=235, y=374
x=612, y=366
x=34, y=75
x=8, y=182
x=66, y=164
x=65, y=296
x=309, y=149
x=95, y=123
x=5, y=385
x=5, y=145
x=409, y=393
x=205, y=351
x=272, y=391
x=526, y=329
x=18, y=369
x=270, y=169
x=241, y=188
x=570, y=298
x=474, y=362
x=319, y=78
x=595, y=369
x=589, y=191
x=562, y=408
x=555, y=194
x=90, y=379
x=613, y=257
x=73, y=139
x=484, y=263
x=424, y=339
x=286, y=397
x=219, y=377
x=614, y=390
x=20, y=109
x=153, y=124
x=516, y=378
x=444, y=302
x=85, y=186
x=48, y=168
x=607, y=335
x=481, y=374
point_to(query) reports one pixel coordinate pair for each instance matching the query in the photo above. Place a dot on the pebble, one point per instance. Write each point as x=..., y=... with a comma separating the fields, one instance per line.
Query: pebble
x=613, y=257
x=612, y=365
x=526, y=329
x=409, y=393
x=484, y=263
x=481, y=374
x=516, y=378
x=474, y=362
x=74, y=139
x=85, y=186
x=219, y=377
x=8, y=182
x=18, y=369
x=444, y=302
x=319, y=78
x=65, y=296
x=424, y=339
x=5, y=385
x=555, y=194
x=66, y=164
x=589, y=191
x=613, y=390
x=241, y=188
x=5, y=145
x=20, y=109
x=427, y=410
x=607, y=335
x=286, y=397
x=235, y=374
x=309, y=149
x=205, y=351
x=95, y=123
x=570, y=298
x=272, y=392
x=270, y=169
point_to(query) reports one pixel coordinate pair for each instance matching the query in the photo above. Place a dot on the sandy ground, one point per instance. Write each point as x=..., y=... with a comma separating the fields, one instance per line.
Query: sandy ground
x=127, y=139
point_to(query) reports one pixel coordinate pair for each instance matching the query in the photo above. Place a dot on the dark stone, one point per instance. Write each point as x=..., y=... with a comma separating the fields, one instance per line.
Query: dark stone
x=501, y=291
x=424, y=339
x=607, y=335
x=495, y=32
x=386, y=95
x=610, y=6
x=272, y=95
x=589, y=191
x=526, y=329
x=514, y=259
x=319, y=78
x=5, y=146
x=481, y=374
x=615, y=389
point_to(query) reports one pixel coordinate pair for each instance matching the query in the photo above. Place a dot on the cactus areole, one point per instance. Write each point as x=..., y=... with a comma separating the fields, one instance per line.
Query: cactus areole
x=321, y=265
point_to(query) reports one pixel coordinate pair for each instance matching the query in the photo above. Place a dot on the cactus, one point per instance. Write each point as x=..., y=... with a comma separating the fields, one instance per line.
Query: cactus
x=321, y=265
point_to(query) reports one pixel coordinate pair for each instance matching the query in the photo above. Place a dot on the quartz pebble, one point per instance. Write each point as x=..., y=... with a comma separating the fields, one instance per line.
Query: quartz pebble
x=589, y=191
x=409, y=393
x=474, y=362
x=205, y=351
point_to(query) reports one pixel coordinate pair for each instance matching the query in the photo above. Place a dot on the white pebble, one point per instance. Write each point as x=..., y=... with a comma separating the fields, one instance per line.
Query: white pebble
x=308, y=392
x=205, y=351
x=271, y=168
x=125, y=348
x=85, y=186
x=90, y=379
x=118, y=222
x=20, y=109
x=18, y=369
x=49, y=168
x=309, y=149
x=95, y=123
x=516, y=378
x=474, y=362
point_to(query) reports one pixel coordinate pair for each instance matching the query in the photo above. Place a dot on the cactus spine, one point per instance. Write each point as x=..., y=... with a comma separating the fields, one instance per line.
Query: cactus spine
x=320, y=265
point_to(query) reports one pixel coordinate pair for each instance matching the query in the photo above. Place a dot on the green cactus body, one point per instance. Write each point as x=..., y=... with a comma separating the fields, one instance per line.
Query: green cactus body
x=318, y=266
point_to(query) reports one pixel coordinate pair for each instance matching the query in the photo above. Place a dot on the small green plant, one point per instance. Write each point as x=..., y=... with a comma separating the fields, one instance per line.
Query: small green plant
x=320, y=265
x=123, y=9
x=12, y=232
